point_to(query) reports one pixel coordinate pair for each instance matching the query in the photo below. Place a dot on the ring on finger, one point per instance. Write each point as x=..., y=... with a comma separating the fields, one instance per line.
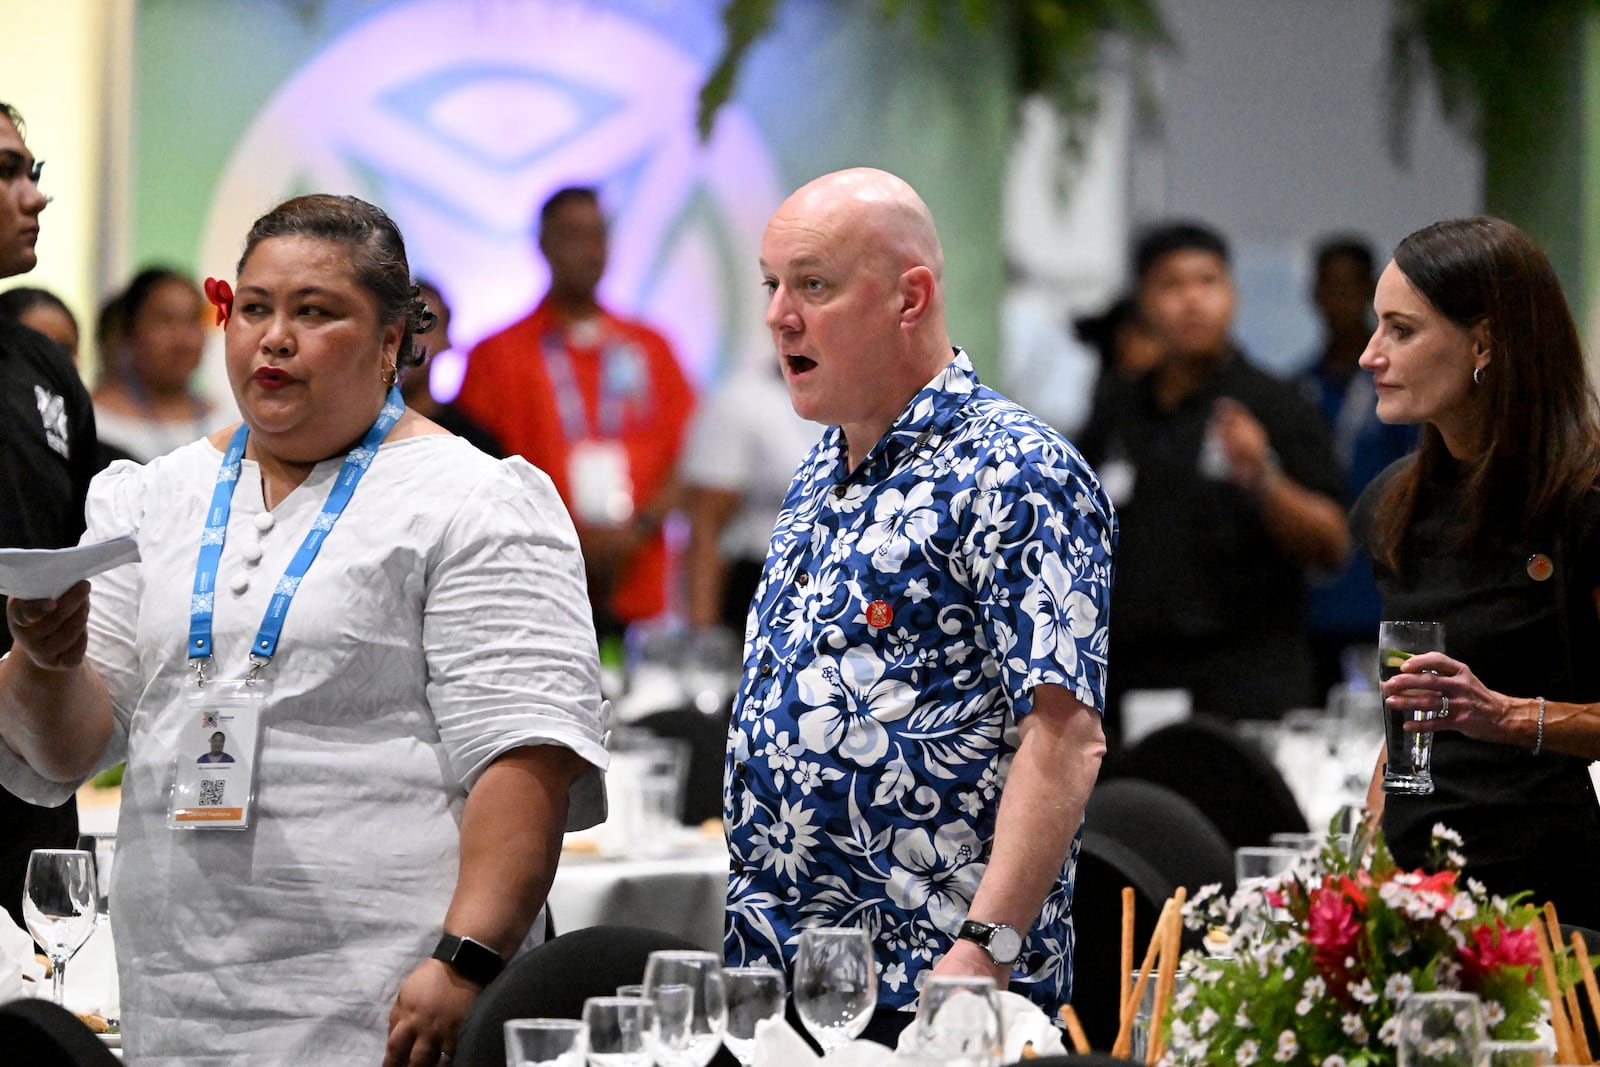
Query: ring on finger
x=1444, y=707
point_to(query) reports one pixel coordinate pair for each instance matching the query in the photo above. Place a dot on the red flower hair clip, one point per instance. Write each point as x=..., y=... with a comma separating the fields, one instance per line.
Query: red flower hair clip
x=220, y=293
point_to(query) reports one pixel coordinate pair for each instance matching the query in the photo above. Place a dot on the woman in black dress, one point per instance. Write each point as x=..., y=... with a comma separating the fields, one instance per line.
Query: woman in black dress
x=1493, y=528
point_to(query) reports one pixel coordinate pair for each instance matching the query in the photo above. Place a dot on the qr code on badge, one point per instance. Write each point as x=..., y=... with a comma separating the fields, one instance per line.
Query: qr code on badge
x=211, y=791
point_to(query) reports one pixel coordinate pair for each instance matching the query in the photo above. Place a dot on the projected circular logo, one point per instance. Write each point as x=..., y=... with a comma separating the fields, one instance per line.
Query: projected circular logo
x=459, y=120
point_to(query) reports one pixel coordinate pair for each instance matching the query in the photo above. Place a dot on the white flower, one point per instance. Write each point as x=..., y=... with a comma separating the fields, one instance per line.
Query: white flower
x=1241, y=1021
x=1441, y=832
x=1335, y=1060
x=1389, y=1032
x=1287, y=1047
x=1248, y=1051
x=1397, y=988
x=1494, y=1013
x=1185, y=996
x=1208, y=1020
x=1315, y=986
x=1363, y=993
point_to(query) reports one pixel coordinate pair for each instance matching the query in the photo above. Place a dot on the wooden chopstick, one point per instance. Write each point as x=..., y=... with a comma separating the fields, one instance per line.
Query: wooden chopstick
x=1589, y=985
x=1166, y=977
x=1566, y=1051
x=1124, y=1040
x=1126, y=985
x=1080, y=1040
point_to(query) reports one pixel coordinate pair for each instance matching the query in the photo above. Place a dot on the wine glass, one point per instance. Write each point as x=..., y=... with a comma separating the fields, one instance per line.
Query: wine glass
x=958, y=1020
x=754, y=994
x=835, y=984
x=58, y=903
x=694, y=1044
x=623, y=1031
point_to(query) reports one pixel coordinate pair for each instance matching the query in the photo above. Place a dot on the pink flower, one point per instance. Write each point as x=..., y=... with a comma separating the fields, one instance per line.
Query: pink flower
x=1493, y=948
x=1333, y=928
x=220, y=293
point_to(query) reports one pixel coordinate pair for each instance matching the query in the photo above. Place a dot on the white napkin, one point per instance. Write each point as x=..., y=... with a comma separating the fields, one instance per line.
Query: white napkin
x=1021, y=1021
x=777, y=1045
x=16, y=960
x=91, y=985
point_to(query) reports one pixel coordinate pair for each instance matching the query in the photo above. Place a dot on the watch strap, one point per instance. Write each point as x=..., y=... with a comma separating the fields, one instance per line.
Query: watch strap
x=472, y=960
x=982, y=934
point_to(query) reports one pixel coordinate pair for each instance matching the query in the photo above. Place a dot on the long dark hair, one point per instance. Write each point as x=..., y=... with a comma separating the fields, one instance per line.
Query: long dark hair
x=377, y=251
x=1534, y=411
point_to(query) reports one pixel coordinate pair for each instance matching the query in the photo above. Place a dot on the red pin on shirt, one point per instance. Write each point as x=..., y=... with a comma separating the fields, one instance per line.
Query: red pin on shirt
x=1540, y=567
x=879, y=614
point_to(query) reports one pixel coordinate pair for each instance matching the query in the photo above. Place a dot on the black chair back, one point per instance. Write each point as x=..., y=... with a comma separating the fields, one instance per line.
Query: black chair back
x=708, y=745
x=1224, y=775
x=1105, y=865
x=34, y=1031
x=553, y=980
x=1165, y=829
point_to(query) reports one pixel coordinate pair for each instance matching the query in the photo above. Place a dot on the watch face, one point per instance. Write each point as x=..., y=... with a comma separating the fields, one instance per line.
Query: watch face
x=1005, y=945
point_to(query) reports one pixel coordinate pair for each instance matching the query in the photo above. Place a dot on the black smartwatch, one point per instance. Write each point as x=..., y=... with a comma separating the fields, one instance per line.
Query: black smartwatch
x=472, y=960
x=1002, y=942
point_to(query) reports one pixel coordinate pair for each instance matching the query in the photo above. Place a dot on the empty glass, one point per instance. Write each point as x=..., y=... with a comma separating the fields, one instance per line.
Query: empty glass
x=958, y=1019
x=835, y=984
x=754, y=994
x=103, y=847
x=691, y=1031
x=623, y=1031
x=546, y=1042
x=58, y=904
x=1263, y=863
x=1440, y=1030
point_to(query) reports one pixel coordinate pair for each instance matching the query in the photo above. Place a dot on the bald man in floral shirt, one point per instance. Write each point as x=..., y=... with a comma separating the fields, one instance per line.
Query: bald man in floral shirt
x=918, y=726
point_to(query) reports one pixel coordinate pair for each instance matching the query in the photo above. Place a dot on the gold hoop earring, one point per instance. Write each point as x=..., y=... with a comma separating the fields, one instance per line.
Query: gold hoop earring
x=390, y=375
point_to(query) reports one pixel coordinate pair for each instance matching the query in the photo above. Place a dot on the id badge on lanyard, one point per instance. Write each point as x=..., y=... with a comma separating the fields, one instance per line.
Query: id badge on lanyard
x=601, y=481
x=214, y=770
x=214, y=774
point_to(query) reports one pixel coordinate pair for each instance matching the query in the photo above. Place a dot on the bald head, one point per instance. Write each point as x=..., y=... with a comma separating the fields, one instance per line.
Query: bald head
x=876, y=207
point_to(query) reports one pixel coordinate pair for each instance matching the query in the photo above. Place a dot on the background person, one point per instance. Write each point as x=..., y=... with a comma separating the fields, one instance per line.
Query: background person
x=436, y=687
x=42, y=311
x=144, y=402
x=598, y=402
x=415, y=382
x=1228, y=495
x=1492, y=528
x=1344, y=609
x=47, y=449
x=918, y=725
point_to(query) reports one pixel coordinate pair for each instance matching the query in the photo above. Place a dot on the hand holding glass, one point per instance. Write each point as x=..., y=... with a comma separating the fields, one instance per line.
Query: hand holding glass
x=58, y=903
x=835, y=984
x=754, y=994
x=1410, y=756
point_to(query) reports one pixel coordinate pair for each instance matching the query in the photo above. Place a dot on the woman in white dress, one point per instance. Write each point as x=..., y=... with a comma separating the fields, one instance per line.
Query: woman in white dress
x=430, y=723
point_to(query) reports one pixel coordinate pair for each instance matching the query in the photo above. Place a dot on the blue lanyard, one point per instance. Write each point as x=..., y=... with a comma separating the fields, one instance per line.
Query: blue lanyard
x=203, y=604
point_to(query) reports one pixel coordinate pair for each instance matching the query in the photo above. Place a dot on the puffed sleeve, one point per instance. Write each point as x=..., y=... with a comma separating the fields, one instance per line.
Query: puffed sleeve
x=509, y=637
x=114, y=509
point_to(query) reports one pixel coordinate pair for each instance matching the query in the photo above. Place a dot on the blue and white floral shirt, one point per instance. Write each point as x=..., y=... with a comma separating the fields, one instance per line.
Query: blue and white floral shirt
x=907, y=611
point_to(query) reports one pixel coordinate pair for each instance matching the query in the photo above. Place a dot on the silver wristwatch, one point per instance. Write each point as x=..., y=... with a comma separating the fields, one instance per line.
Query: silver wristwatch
x=1002, y=942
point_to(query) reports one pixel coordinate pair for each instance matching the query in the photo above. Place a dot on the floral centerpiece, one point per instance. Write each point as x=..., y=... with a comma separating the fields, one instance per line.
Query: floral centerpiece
x=1312, y=970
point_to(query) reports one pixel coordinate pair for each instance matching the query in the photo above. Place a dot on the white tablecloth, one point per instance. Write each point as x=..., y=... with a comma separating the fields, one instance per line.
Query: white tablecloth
x=684, y=894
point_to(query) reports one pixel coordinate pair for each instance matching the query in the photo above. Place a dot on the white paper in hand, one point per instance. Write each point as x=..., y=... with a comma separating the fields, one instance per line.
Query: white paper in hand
x=43, y=573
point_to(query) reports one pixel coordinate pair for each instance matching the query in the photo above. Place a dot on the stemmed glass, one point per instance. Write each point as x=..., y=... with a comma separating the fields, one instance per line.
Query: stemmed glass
x=546, y=1042
x=754, y=994
x=623, y=1031
x=958, y=1020
x=835, y=984
x=695, y=1042
x=58, y=903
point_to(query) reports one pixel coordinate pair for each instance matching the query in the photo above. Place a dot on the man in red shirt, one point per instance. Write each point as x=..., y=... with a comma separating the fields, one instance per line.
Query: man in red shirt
x=596, y=401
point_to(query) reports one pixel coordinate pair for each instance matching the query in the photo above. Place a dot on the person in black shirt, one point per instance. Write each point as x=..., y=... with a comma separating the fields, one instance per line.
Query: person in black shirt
x=1492, y=528
x=47, y=455
x=1228, y=493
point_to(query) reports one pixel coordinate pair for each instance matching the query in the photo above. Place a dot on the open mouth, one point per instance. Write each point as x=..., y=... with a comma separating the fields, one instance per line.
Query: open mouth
x=799, y=364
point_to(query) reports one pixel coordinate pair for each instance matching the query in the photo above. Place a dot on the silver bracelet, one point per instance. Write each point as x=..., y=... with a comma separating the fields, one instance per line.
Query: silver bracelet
x=1538, y=739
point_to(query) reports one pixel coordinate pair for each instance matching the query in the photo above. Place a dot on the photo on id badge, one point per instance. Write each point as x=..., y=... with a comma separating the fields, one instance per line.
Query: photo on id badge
x=213, y=775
